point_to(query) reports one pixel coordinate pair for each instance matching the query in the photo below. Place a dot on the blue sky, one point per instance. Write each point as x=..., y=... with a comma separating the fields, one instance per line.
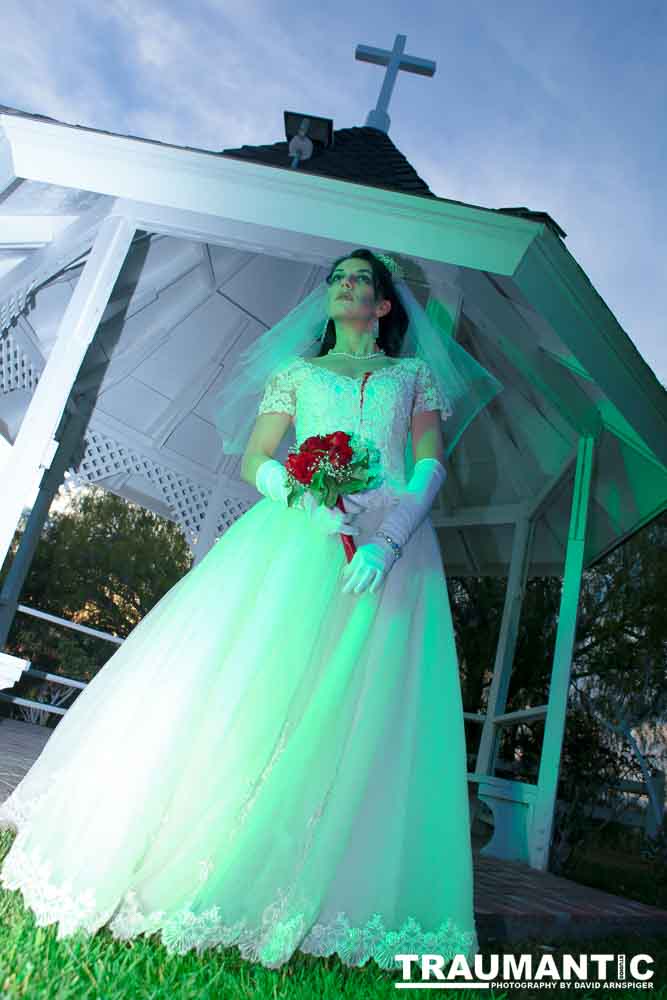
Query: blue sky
x=559, y=107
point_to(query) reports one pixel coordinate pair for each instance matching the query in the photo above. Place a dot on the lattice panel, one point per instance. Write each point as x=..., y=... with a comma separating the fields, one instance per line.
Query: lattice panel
x=231, y=510
x=16, y=369
x=14, y=305
x=187, y=500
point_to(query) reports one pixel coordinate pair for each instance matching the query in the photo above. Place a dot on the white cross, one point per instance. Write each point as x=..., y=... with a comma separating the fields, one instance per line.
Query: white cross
x=394, y=60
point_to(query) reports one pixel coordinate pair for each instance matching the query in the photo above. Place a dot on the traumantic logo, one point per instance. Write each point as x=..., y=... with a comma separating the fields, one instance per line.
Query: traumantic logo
x=508, y=971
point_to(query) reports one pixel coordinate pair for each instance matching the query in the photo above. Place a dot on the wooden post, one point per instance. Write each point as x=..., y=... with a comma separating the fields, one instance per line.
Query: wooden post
x=71, y=433
x=35, y=447
x=509, y=628
x=554, y=728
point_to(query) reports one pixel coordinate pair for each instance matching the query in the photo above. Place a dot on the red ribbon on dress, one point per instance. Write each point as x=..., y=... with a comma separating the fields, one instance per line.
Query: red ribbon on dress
x=348, y=540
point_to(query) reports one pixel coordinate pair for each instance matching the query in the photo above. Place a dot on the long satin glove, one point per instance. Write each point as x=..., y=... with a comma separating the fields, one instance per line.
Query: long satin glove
x=373, y=561
x=271, y=480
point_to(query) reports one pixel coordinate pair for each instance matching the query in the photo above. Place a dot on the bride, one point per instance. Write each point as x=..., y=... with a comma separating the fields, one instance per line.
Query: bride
x=274, y=759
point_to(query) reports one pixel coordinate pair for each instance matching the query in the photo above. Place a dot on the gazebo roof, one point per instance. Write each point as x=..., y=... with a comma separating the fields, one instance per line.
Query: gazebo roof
x=228, y=241
x=361, y=154
x=367, y=156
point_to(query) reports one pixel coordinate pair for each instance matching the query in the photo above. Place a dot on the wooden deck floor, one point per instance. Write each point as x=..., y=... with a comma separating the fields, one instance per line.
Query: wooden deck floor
x=512, y=900
x=20, y=745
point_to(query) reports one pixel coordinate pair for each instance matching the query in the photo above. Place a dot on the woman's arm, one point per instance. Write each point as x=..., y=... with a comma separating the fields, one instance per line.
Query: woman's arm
x=427, y=439
x=268, y=432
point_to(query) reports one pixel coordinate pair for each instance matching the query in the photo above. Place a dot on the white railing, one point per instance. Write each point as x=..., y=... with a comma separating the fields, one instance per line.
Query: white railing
x=633, y=814
x=31, y=671
x=66, y=623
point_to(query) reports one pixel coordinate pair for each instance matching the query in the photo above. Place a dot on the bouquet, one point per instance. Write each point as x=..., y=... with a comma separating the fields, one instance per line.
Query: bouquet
x=330, y=466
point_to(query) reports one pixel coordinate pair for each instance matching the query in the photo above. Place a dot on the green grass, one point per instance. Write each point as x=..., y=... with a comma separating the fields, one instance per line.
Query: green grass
x=36, y=966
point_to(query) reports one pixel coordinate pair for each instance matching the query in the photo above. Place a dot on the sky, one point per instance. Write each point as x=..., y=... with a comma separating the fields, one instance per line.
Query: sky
x=556, y=107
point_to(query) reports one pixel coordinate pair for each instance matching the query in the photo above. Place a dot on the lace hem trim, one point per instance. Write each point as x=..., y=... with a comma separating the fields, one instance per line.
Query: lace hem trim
x=272, y=944
x=18, y=811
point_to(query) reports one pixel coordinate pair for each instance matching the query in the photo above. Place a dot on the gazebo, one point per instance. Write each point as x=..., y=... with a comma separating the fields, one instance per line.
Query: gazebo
x=133, y=271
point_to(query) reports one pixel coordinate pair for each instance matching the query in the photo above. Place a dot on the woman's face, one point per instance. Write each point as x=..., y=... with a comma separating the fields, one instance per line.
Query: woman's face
x=351, y=294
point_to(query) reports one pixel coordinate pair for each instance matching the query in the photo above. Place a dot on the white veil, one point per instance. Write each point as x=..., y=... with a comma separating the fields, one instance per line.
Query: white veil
x=466, y=385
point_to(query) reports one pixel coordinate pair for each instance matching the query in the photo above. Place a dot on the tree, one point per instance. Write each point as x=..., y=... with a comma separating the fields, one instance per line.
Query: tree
x=617, y=714
x=104, y=563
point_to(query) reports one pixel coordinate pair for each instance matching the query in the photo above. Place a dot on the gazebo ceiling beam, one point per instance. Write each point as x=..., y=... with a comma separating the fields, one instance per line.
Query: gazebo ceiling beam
x=538, y=503
x=30, y=232
x=555, y=286
x=256, y=194
x=555, y=386
x=315, y=226
x=8, y=176
x=154, y=335
x=508, y=513
x=501, y=323
x=17, y=284
x=508, y=456
x=207, y=265
x=128, y=298
x=184, y=403
x=35, y=445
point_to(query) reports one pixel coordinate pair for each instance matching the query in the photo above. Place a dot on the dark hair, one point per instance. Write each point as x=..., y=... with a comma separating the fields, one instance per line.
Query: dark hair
x=392, y=326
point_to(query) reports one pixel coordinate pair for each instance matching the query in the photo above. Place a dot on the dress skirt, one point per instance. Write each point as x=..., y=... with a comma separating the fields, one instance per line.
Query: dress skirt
x=266, y=762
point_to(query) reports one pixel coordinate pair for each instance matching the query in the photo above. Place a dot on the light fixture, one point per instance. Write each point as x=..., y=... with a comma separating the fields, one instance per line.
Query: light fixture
x=306, y=133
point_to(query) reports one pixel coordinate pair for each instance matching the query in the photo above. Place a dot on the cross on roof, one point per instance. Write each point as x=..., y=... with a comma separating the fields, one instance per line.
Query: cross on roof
x=394, y=61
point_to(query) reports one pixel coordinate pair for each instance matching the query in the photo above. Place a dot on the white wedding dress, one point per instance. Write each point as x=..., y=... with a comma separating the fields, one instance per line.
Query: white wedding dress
x=268, y=762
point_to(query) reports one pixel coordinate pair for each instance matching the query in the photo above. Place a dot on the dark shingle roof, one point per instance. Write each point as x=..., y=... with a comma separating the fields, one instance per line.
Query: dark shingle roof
x=362, y=154
x=528, y=213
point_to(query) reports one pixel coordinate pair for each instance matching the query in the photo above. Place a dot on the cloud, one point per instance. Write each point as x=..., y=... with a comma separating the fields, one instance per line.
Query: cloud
x=502, y=122
x=219, y=78
x=41, y=75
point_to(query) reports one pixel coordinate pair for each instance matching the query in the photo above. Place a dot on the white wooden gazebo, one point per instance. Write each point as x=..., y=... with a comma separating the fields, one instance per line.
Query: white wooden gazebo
x=131, y=272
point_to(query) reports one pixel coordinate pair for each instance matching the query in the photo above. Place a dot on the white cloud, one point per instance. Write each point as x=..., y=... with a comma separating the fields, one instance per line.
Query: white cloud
x=501, y=123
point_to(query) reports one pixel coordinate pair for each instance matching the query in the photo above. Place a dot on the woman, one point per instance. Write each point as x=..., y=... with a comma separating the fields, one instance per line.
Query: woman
x=275, y=757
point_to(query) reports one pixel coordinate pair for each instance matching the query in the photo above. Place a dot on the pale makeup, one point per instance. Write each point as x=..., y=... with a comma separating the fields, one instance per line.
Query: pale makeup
x=353, y=307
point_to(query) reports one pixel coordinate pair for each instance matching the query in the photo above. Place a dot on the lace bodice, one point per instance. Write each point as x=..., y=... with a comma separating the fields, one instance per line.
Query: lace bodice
x=378, y=408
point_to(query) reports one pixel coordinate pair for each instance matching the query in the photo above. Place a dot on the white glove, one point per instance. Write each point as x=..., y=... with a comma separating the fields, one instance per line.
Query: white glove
x=271, y=480
x=369, y=565
x=329, y=520
x=372, y=562
x=403, y=520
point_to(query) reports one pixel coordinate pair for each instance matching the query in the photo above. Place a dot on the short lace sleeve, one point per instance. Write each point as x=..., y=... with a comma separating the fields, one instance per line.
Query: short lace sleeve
x=279, y=393
x=427, y=393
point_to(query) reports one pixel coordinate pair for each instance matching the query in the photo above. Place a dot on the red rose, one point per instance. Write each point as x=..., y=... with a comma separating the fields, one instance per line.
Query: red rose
x=340, y=455
x=302, y=466
x=339, y=438
x=315, y=443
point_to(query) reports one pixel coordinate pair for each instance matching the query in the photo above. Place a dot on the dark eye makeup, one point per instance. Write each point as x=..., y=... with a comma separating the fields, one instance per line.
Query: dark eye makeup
x=364, y=276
